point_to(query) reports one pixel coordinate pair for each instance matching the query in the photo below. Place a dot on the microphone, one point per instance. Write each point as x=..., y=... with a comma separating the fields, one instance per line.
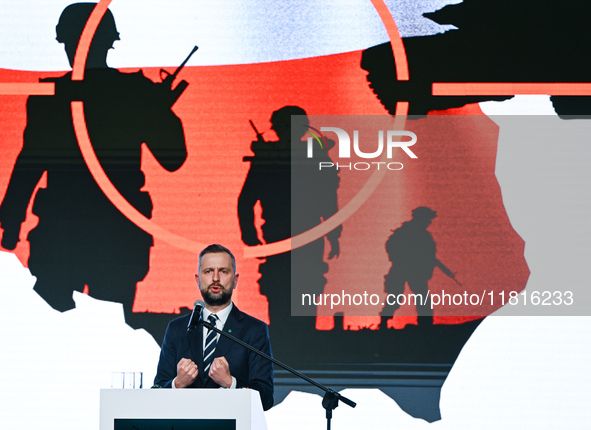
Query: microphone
x=195, y=315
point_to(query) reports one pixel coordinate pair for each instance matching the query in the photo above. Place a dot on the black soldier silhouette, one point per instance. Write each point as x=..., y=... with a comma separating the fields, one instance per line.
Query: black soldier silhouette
x=411, y=250
x=280, y=174
x=81, y=238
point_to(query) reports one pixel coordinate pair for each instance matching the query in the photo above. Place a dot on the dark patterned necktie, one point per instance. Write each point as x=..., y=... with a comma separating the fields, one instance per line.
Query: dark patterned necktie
x=210, y=344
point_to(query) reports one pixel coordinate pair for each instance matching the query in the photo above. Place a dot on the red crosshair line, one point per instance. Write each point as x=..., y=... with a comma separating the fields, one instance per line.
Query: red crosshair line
x=27, y=89
x=510, y=88
x=402, y=74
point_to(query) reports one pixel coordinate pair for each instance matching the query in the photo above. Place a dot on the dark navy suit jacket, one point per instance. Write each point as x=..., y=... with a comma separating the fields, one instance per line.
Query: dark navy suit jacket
x=249, y=369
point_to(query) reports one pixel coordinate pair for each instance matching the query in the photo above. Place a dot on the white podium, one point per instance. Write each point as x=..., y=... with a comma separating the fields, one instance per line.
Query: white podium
x=163, y=409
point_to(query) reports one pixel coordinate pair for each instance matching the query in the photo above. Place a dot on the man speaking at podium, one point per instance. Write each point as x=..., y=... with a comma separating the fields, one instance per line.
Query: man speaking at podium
x=201, y=358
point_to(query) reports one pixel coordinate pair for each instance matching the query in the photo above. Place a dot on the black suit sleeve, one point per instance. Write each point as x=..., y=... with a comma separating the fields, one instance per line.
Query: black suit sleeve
x=166, y=371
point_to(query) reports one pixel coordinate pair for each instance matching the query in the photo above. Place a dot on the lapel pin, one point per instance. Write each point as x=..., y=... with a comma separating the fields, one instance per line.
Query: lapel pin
x=229, y=330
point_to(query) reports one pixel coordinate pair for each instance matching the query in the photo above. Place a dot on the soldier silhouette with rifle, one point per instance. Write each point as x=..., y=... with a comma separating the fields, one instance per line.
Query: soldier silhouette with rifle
x=411, y=250
x=82, y=241
x=294, y=197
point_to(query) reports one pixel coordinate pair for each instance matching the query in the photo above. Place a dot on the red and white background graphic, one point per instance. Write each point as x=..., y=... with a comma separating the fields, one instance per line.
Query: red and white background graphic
x=507, y=177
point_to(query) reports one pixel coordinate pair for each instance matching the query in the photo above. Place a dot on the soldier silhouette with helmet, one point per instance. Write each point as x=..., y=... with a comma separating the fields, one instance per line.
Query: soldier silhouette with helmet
x=81, y=238
x=411, y=250
x=294, y=197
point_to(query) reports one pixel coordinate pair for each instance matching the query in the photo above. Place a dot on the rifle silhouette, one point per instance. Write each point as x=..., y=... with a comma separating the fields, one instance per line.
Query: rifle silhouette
x=259, y=135
x=168, y=79
x=448, y=272
x=260, y=141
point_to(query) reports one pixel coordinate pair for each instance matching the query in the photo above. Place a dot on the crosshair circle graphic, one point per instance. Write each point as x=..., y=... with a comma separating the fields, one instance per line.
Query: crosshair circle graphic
x=178, y=241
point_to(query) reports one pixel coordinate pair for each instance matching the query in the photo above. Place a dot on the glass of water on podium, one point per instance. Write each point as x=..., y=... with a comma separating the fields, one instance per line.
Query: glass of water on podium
x=127, y=380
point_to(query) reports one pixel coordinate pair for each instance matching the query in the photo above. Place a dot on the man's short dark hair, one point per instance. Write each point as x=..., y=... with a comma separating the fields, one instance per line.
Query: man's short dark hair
x=217, y=249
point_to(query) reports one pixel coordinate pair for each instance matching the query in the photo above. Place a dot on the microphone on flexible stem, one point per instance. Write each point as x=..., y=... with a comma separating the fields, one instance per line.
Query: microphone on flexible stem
x=196, y=315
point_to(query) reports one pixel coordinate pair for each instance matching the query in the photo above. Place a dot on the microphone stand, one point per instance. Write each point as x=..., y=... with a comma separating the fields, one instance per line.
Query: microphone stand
x=331, y=398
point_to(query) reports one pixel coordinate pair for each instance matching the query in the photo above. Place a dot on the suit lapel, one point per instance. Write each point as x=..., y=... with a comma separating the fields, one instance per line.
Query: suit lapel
x=232, y=327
